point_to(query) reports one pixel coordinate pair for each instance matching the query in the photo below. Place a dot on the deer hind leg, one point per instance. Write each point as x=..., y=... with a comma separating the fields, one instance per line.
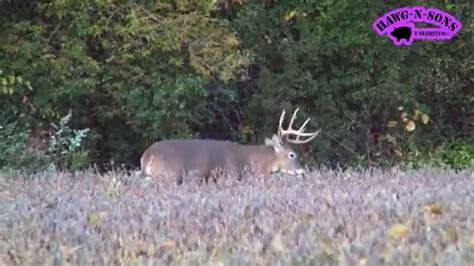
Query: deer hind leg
x=179, y=179
x=208, y=176
x=219, y=172
x=183, y=175
x=194, y=176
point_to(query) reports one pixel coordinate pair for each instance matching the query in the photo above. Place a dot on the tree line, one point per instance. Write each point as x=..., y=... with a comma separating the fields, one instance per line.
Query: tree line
x=95, y=82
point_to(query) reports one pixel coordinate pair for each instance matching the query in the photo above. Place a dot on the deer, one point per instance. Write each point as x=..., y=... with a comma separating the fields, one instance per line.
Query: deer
x=172, y=159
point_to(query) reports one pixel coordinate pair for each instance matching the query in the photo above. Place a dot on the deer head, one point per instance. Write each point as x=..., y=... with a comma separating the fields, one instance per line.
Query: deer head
x=286, y=158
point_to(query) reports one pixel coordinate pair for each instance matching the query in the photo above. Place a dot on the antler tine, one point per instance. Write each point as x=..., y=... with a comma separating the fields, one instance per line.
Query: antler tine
x=303, y=127
x=293, y=117
x=280, y=125
x=301, y=133
x=298, y=133
x=311, y=137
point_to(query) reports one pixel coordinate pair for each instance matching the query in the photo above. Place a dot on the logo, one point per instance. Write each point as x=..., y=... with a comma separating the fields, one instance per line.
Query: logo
x=399, y=25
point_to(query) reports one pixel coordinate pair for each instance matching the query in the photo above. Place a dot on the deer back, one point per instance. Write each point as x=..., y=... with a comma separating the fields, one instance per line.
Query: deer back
x=191, y=156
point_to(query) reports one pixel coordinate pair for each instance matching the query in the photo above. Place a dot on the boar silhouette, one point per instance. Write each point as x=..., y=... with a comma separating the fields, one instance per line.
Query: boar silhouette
x=402, y=33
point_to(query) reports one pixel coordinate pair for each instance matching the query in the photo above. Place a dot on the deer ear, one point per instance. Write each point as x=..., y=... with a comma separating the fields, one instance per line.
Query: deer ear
x=268, y=142
x=276, y=143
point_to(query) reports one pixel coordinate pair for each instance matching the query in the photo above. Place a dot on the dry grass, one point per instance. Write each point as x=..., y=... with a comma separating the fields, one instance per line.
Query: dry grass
x=421, y=217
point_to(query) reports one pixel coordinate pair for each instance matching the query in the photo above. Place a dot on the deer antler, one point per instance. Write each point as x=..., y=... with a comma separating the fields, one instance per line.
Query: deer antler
x=282, y=133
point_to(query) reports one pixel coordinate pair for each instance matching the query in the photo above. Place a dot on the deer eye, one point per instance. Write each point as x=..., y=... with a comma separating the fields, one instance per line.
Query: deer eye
x=292, y=155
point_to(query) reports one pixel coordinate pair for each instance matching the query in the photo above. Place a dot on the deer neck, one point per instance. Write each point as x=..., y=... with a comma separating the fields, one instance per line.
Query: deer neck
x=261, y=156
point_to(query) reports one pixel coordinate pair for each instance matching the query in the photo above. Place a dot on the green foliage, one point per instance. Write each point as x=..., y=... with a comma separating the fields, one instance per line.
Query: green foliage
x=64, y=146
x=14, y=152
x=458, y=154
x=124, y=66
x=137, y=71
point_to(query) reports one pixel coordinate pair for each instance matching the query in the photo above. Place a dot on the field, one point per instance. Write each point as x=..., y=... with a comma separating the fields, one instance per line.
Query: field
x=373, y=217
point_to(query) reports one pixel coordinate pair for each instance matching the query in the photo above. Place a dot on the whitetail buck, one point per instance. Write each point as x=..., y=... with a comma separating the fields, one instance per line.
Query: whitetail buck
x=176, y=158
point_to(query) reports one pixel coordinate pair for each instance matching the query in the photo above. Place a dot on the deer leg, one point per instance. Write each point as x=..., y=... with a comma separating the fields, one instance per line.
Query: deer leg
x=214, y=177
x=207, y=177
x=197, y=176
x=239, y=175
x=180, y=176
x=179, y=179
x=216, y=173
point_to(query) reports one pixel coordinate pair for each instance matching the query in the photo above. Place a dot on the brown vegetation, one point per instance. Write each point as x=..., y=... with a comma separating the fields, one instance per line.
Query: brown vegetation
x=352, y=218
